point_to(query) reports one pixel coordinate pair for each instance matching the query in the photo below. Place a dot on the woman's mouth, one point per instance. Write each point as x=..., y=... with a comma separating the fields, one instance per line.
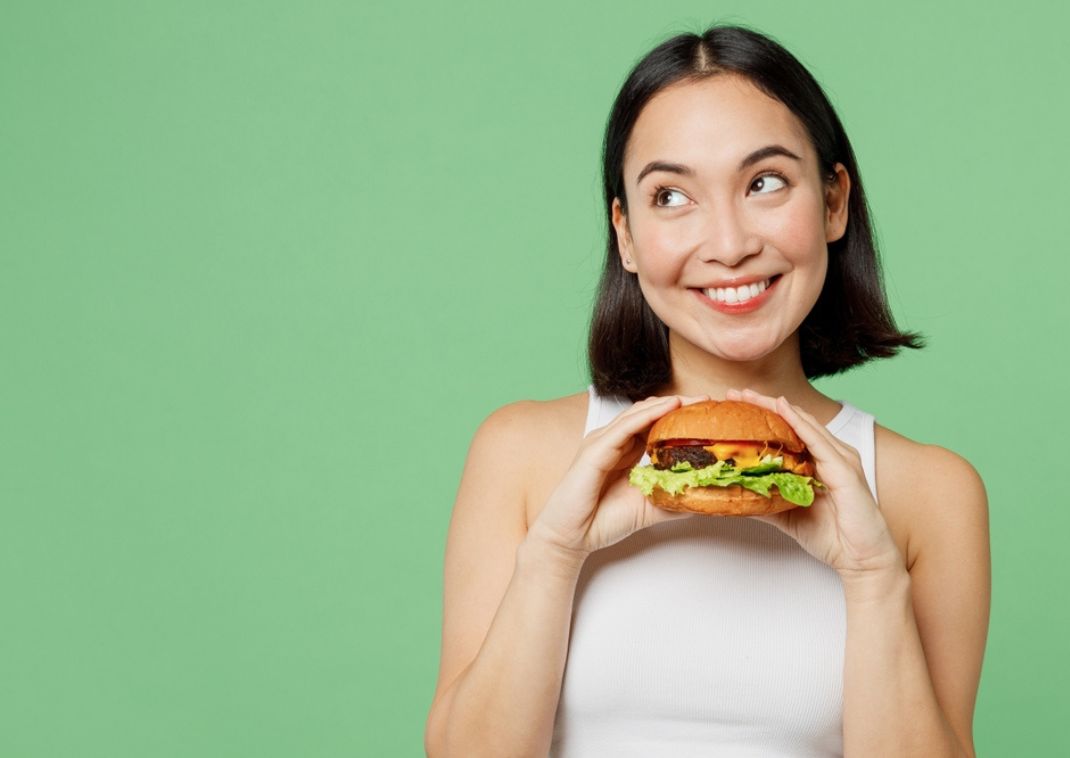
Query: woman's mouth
x=742, y=299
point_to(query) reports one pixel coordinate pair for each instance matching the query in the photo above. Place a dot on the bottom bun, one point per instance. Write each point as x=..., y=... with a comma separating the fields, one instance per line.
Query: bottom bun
x=721, y=501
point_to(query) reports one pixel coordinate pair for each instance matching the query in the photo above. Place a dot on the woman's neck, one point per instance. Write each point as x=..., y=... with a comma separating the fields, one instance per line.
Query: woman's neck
x=696, y=372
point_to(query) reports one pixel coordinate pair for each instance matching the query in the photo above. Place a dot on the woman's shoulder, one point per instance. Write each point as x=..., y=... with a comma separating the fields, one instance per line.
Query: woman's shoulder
x=920, y=461
x=548, y=432
x=541, y=421
x=925, y=490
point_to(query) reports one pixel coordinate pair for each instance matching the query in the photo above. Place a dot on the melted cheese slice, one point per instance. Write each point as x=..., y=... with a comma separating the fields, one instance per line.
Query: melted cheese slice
x=745, y=454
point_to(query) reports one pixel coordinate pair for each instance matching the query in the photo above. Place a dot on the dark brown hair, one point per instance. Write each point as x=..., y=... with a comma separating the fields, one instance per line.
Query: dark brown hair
x=850, y=324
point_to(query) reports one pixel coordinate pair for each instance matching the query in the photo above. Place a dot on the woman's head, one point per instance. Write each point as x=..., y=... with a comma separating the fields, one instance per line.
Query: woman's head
x=707, y=103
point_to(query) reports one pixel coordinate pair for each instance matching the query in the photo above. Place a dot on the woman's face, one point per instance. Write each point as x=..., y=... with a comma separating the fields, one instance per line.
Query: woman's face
x=730, y=247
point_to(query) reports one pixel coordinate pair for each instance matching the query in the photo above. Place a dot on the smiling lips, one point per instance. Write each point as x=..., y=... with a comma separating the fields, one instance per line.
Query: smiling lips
x=743, y=298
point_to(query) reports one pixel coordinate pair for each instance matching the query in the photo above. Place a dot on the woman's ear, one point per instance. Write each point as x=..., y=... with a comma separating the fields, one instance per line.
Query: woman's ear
x=624, y=237
x=837, y=190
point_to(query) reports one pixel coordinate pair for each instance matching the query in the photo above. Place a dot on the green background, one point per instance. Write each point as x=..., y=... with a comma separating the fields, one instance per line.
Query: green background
x=264, y=267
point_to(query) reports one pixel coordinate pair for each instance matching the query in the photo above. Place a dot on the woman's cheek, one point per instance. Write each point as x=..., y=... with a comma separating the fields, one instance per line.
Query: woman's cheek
x=799, y=226
x=667, y=246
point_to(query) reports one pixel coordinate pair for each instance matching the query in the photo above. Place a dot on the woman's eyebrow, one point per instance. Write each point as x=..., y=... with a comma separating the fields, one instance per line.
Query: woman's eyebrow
x=678, y=168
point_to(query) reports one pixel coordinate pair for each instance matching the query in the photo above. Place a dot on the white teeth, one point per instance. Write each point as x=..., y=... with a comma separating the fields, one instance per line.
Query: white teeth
x=737, y=294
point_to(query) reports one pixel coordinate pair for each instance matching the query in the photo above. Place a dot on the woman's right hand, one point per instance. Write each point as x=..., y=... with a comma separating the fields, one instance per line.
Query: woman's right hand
x=594, y=506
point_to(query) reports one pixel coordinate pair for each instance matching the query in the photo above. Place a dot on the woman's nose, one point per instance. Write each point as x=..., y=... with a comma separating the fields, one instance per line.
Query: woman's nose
x=728, y=238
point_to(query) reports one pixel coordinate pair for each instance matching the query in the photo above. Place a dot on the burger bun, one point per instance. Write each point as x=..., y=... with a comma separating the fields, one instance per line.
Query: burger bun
x=720, y=501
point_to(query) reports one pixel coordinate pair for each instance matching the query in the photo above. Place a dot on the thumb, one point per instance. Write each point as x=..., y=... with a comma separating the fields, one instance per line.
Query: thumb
x=776, y=519
x=657, y=515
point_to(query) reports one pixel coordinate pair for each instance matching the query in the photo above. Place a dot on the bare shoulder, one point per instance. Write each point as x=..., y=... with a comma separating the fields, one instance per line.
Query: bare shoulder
x=517, y=444
x=538, y=425
x=906, y=463
x=925, y=490
x=547, y=433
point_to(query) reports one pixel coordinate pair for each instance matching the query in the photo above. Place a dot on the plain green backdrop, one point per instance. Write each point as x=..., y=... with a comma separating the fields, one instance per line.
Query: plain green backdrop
x=264, y=267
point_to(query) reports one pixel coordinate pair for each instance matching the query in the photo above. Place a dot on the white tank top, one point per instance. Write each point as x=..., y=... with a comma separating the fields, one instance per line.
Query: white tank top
x=707, y=636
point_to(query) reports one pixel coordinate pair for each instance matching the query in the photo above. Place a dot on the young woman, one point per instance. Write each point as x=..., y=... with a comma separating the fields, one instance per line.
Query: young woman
x=581, y=620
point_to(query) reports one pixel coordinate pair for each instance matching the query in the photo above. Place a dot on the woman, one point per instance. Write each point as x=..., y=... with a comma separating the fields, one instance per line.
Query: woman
x=581, y=620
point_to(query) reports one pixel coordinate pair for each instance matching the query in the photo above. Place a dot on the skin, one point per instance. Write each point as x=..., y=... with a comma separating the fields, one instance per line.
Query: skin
x=916, y=569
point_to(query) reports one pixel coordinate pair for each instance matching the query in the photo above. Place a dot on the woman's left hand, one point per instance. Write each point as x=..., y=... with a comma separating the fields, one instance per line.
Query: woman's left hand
x=843, y=528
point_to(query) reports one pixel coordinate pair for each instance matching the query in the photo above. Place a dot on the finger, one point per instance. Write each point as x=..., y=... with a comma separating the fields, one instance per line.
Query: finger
x=605, y=446
x=775, y=519
x=657, y=408
x=641, y=408
x=785, y=521
x=656, y=515
x=657, y=402
x=771, y=403
x=821, y=429
x=768, y=403
x=651, y=408
x=756, y=398
x=623, y=440
x=816, y=437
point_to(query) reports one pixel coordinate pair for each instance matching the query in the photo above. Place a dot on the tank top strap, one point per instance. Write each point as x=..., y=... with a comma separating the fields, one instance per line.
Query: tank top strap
x=859, y=431
x=602, y=409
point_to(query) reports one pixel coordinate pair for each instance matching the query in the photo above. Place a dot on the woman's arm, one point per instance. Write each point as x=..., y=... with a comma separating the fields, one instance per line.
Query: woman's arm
x=915, y=641
x=504, y=702
x=507, y=605
x=509, y=590
x=916, y=623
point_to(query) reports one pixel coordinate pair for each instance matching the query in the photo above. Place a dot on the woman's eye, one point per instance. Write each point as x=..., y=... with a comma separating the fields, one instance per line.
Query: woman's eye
x=762, y=182
x=662, y=192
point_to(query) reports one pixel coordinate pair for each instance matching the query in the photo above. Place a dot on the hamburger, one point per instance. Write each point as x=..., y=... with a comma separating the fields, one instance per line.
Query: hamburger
x=725, y=458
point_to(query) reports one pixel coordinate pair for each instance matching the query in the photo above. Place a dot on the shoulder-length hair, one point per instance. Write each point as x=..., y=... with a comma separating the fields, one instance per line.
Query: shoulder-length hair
x=850, y=324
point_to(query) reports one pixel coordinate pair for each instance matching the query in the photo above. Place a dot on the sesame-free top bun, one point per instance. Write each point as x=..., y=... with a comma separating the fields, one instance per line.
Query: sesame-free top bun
x=722, y=420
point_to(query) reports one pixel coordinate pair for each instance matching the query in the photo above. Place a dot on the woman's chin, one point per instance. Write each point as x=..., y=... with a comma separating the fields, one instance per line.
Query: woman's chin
x=743, y=345
x=742, y=351
x=740, y=356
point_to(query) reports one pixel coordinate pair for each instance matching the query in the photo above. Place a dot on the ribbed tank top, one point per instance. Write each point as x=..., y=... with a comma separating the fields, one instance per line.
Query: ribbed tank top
x=706, y=636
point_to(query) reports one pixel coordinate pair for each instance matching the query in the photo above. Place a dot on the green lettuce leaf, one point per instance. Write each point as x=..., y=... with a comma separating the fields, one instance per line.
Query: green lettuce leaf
x=792, y=487
x=767, y=466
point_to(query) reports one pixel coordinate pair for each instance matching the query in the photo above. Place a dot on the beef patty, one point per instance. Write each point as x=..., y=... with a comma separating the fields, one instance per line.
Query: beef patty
x=696, y=455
